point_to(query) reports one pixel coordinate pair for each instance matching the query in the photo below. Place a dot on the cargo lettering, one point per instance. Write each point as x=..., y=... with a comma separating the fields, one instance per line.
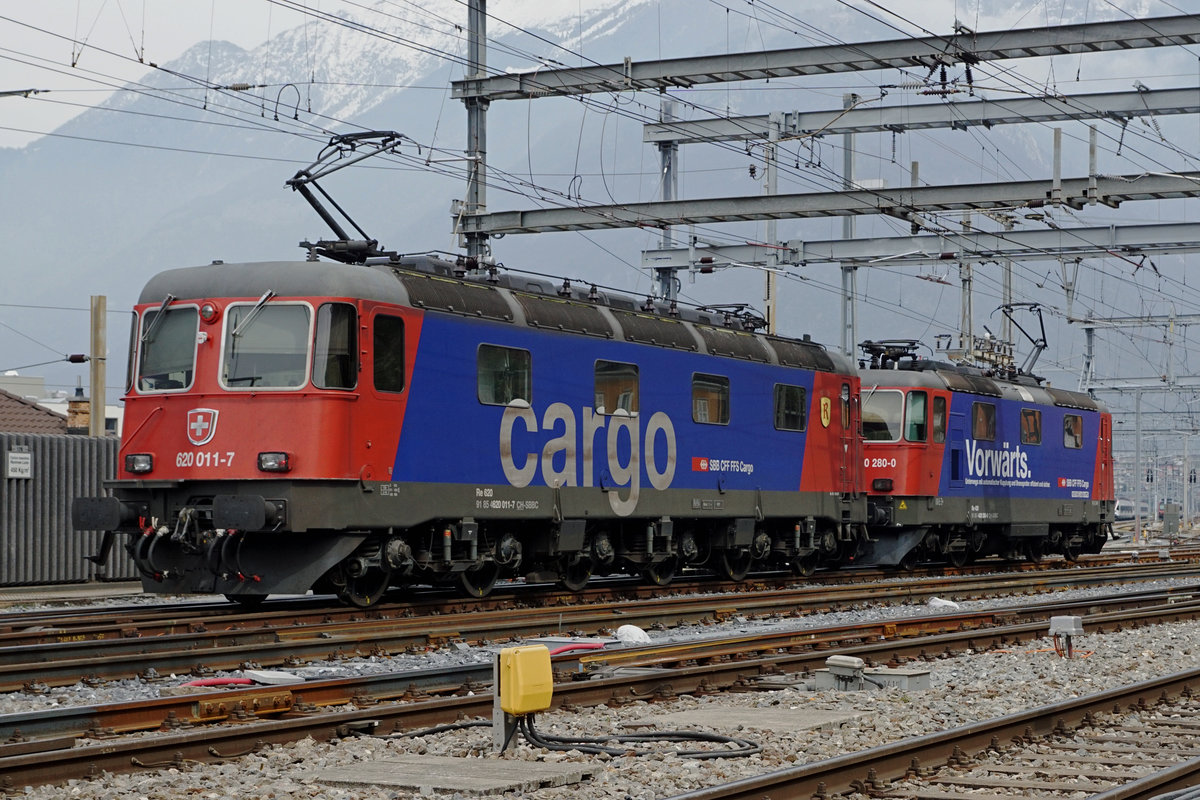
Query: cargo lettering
x=574, y=441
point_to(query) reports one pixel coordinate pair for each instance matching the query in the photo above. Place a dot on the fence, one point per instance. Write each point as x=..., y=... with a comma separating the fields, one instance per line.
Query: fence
x=39, y=476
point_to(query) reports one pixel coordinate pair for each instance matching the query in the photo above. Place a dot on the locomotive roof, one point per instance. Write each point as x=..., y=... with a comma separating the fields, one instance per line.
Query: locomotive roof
x=975, y=382
x=433, y=284
x=301, y=279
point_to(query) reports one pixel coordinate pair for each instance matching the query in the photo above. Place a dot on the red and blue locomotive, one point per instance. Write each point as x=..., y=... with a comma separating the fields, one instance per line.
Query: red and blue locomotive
x=353, y=428
x=961, y=463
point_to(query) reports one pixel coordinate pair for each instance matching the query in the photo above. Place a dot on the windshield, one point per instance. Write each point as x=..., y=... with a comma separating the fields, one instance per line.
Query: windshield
x=881, y=415
x=167, y=358
x=266, y=346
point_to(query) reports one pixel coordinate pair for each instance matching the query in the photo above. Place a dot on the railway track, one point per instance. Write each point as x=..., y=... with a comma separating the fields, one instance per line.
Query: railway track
x=208, y=638
x=1132, y=742
x=883, y=641
x=52, y=752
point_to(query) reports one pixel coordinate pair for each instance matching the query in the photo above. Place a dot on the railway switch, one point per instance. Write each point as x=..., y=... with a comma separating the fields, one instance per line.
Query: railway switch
x=847, y=671
x=851, y=674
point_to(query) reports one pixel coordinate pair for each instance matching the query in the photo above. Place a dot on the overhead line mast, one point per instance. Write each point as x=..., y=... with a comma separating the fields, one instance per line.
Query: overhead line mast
x=478, y=249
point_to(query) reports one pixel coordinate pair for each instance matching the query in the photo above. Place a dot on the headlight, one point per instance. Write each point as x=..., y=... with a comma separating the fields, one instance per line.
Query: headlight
x=275, y=462
x=882, y=484
x=139, y=462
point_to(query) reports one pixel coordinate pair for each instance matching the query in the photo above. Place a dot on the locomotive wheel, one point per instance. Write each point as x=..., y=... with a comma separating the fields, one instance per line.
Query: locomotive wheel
x=805, y=566
x=1033, y=551
x=1071, y=552
x=365, y=590
x=734, y=565
x=661, y=573
x=908, y=563
x=478, y=581
x=246, y=600
x=573, y=574
x=959, y=557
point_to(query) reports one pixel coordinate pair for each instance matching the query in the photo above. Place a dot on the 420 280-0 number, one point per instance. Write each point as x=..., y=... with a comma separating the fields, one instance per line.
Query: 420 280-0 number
x=879, y=462
x=203, y=458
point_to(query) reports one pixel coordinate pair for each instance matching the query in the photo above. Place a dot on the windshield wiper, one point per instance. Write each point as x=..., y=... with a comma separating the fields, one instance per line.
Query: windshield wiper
x=245, y=323
x=158, y=318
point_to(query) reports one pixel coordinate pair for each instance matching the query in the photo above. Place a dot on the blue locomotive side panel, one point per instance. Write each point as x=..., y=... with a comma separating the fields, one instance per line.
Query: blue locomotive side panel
x=563, y=436
x=1008, y=448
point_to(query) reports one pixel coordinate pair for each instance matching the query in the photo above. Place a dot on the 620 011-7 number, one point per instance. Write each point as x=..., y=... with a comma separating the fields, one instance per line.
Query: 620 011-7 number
x=203, y=458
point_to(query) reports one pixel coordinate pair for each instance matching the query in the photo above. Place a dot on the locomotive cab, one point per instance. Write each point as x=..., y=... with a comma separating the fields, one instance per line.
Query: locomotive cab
x=247, y=413
x=961, y=463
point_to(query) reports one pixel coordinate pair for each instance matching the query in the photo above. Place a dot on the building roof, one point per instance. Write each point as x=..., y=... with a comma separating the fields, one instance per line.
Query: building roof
x=18, y=415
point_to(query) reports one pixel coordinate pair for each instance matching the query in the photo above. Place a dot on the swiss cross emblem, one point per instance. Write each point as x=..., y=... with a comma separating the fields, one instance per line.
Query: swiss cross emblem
x=201, y=425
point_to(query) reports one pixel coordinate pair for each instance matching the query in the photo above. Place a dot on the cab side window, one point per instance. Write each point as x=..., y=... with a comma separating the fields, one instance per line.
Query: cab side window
x=939, y=420
x=335, y=357
x=915, y=419
x=388, y=341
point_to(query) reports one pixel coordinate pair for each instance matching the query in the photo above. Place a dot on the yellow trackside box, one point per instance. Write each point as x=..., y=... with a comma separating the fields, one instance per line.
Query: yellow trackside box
x=526, y=679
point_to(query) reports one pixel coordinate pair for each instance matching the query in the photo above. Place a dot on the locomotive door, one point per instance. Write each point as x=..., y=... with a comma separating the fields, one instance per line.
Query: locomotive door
x=1104, y=478
x=388, y=351
x=851, y=460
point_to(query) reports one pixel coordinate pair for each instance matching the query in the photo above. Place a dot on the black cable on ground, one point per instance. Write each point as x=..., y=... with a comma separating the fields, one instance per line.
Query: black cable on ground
x=598, y=744
x=454, y=726
x=590, y=744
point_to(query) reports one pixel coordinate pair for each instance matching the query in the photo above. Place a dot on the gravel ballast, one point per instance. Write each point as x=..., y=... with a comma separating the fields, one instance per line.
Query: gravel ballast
x=963, y=689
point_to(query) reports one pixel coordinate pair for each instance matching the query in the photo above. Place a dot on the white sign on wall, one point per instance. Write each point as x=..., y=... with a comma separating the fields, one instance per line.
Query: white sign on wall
x=18, y=464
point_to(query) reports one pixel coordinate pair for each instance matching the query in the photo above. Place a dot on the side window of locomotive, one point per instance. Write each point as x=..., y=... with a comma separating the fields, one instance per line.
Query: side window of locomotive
x=939, y=420
x=791, y=408
x=1073, y=431
x=168, y=350
x=505, y=374
x=335, y=357
x=616, y=387
x=387, y=347
x=916, y=419
x=266, y=346
x=710, y=399
x=882, y=412
x=1031, y=426
x=983, y=422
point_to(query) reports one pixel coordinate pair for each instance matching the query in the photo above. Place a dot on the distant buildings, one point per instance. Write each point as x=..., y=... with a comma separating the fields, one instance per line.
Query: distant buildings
x=25, y=407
